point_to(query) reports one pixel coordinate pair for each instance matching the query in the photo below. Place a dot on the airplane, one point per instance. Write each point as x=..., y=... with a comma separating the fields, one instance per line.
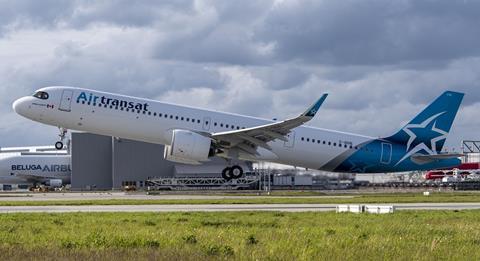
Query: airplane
x=51, y=170
x=193, y=135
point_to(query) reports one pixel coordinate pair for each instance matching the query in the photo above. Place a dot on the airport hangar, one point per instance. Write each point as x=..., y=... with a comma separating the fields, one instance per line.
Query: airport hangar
x=105, y=163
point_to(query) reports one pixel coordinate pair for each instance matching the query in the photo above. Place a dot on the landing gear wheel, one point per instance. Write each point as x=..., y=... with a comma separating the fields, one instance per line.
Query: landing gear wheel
x=226, y=174
x=63, y=133
x=236, y=172
x=59, y=145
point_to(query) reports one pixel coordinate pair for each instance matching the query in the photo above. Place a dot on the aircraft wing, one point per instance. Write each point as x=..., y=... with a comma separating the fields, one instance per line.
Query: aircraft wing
x=30, y=178
x=249, y=139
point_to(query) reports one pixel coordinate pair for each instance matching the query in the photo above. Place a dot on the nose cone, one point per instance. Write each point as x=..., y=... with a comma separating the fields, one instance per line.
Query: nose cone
x=19, y=106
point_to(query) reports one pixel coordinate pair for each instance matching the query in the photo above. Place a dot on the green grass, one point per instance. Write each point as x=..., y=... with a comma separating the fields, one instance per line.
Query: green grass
x=366, y=198
x=405, y=235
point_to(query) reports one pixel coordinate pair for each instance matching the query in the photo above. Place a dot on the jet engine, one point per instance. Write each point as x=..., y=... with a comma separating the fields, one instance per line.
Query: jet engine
x=189, y=147
x=54, y=183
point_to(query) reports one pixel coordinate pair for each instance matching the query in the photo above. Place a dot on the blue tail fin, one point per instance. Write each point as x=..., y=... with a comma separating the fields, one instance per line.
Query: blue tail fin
x=428, y=130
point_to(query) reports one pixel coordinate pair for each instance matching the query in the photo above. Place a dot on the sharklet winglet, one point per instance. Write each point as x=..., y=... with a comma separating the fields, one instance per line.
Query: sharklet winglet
x=312, y=110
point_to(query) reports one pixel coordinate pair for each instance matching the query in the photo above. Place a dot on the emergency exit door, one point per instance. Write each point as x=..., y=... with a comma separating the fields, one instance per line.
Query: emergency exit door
x=386, y=156
x=66, y=102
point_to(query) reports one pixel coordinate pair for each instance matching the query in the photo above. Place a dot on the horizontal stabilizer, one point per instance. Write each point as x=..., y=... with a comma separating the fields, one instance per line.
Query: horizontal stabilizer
x=422, y=159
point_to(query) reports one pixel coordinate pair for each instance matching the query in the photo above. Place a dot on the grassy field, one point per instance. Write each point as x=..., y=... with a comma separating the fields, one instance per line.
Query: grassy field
x=406, y=235
x=366, y=198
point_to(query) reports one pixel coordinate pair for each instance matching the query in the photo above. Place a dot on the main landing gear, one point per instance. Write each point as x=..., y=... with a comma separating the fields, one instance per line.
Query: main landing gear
x=63, y=133
x=233, y=172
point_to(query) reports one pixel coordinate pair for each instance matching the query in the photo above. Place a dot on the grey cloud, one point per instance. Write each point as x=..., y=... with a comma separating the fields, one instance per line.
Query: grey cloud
x=381, y=61
x=126, y=13
x=228, y=44
x=33, y=14
x=373, y=32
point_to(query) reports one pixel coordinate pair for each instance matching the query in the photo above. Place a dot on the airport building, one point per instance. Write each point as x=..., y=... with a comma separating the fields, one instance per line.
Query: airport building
x=104, y=163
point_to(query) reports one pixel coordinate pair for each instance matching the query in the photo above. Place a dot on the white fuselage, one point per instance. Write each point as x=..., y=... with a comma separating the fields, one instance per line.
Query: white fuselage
x=152, y=121
x=29, y=169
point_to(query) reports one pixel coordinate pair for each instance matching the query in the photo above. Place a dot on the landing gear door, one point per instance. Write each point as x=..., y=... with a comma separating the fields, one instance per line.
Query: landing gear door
x=66, y=102
x=206, y=123
x=291, y=140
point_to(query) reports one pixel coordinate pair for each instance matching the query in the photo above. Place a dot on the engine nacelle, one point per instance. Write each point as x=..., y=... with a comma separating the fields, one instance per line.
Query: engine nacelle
x=188, y=147
x=56, y=183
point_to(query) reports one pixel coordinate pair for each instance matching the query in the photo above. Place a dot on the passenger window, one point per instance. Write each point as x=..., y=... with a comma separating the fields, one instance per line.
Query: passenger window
x=198, y=121
x=181, y=118
x=308, y=139
x=302, y=138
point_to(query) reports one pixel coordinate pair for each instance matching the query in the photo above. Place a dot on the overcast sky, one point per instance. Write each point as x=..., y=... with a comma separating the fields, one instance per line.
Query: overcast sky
x=381, y=61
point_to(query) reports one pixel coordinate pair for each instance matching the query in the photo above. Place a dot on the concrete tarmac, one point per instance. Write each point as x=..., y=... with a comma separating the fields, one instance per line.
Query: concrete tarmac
x=225, y=207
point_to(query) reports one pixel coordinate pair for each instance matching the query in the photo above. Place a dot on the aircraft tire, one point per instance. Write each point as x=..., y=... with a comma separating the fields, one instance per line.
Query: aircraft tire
x=236, y=172
x=58, y=145
x=226, y=174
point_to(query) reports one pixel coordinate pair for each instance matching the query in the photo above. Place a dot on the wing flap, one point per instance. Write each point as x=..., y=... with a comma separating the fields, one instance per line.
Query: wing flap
x=259, y=136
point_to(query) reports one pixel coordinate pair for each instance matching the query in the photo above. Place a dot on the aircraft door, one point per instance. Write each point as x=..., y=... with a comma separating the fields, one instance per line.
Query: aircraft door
x=291, y=140
x=206, y=123
x=66, y=102
x=386, y=156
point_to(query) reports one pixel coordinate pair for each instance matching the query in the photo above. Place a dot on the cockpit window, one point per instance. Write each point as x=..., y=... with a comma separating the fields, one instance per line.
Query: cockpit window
x=41, y=95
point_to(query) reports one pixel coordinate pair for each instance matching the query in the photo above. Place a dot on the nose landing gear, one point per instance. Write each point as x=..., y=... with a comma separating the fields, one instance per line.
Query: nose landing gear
x=234, y=172
x=63, y=133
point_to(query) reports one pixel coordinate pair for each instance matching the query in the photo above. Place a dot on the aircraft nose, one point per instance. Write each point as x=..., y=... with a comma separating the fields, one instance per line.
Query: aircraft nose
x=19, y=106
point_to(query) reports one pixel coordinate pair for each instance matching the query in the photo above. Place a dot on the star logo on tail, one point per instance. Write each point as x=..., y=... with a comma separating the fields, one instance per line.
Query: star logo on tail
x=423, y=137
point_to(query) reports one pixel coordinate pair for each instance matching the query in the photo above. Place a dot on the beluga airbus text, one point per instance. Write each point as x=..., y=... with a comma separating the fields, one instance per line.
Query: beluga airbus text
x=193, y=135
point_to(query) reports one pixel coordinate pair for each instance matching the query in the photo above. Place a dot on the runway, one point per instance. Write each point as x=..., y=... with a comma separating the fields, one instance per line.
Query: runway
x=224, y=208
x=133, y=196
